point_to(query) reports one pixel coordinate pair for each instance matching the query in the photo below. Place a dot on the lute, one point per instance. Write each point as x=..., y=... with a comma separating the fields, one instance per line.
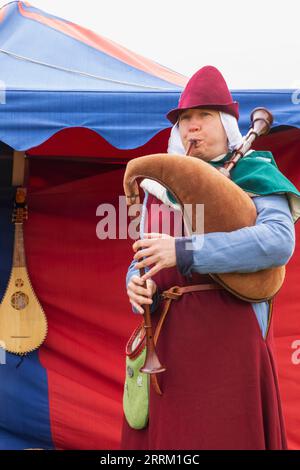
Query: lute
x=23, y=324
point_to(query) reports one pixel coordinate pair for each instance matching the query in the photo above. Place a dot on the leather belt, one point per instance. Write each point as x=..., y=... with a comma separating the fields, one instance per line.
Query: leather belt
x=174, y=293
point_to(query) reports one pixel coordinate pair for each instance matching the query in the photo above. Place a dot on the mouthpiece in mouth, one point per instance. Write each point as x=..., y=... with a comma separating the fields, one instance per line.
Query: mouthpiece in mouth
x=192, y=143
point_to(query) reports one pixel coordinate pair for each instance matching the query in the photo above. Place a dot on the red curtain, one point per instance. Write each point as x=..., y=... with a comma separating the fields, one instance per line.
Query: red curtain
x=286, y=149
x=80, y=281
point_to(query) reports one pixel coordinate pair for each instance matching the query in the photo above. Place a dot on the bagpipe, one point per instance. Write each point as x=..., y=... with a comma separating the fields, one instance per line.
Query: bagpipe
x=227, y=207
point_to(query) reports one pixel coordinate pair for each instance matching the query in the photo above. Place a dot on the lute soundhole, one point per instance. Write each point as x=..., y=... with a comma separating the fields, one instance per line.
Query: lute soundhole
x=19, y=300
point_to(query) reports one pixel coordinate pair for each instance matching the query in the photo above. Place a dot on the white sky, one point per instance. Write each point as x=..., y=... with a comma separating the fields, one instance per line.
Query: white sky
x=255, y=44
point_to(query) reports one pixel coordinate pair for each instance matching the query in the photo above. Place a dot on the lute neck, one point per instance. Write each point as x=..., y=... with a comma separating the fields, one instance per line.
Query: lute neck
x=19, y=260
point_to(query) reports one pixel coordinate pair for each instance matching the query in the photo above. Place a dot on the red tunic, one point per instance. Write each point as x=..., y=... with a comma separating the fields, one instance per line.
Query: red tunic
x=220, y=390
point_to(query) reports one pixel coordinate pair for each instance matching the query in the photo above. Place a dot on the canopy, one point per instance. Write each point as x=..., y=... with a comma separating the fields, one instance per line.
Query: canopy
x=71, y=94
x=57, y=75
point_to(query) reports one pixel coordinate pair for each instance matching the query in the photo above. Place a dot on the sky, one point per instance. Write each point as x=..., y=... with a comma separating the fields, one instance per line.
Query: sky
x=254, y=44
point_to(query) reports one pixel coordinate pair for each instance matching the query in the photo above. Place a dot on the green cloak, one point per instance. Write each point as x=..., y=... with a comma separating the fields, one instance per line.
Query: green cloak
x=258, y=175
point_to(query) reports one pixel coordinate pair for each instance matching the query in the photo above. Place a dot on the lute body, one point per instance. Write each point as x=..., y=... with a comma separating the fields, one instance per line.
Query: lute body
x=23, y=324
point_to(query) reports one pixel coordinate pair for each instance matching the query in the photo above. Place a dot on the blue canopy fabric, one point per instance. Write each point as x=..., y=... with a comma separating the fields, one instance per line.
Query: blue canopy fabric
x=56, y=75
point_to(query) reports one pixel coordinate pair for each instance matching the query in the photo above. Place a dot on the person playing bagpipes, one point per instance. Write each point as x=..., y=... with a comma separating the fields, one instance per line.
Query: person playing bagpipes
x=220, y=387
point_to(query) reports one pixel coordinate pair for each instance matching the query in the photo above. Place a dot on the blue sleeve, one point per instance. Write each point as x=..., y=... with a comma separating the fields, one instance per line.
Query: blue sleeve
x=132, y=271
x=269, y=243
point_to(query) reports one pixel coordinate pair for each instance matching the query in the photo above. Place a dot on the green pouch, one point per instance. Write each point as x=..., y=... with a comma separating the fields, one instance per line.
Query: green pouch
x=136, y=387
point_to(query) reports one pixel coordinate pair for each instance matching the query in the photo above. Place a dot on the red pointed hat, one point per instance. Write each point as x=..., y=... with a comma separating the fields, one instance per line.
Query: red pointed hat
x=206, y=89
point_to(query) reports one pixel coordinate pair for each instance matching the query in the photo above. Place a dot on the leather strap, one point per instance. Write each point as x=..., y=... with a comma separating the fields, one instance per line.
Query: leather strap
x=174, y=293
x=20, y=174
